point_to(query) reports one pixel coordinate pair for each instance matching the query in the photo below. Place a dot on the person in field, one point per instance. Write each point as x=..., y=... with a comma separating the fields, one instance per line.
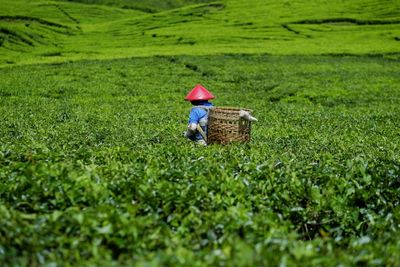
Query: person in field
x=198, y=117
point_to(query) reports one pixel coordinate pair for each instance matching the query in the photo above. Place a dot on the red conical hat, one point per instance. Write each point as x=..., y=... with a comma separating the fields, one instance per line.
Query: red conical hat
x=199, y=93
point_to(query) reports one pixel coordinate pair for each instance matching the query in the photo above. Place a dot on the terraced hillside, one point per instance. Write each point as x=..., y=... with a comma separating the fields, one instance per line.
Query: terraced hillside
x=149, y=6
x=49, y=31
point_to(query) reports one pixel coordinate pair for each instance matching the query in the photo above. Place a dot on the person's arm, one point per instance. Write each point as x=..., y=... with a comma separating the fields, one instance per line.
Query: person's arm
x=191, y=129
x=193, y=121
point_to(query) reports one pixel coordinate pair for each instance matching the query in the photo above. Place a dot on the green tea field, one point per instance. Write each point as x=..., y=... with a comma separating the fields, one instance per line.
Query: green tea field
x=94, y=168
x=55, y=31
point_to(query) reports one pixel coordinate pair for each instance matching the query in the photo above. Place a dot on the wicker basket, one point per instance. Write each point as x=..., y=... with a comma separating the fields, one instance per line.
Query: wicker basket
x=225, y=126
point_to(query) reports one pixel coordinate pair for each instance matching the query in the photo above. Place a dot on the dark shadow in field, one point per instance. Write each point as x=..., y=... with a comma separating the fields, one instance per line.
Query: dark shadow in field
x=13, y=37
x=20, y=32
x=346, y=20
x=26, y=19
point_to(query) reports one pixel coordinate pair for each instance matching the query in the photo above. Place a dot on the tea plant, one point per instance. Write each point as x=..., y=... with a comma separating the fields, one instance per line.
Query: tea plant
x=95, y=171
x=63, y=31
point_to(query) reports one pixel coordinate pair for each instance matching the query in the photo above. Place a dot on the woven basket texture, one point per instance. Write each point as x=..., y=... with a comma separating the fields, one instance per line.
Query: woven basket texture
x=225, y=126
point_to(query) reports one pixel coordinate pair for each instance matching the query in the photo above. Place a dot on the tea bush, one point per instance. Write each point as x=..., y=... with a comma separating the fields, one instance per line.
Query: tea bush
x=46, y=31
x=95, y=171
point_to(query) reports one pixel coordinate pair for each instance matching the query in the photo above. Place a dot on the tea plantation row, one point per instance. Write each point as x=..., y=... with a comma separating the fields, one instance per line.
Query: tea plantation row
x=94, y=170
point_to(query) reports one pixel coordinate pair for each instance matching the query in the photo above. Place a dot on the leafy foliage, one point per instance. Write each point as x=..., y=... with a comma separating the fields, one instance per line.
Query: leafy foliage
x=95, y=31
x=94, y=170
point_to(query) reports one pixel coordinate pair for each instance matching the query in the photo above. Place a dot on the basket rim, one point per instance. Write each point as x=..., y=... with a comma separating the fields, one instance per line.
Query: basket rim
x=230, y=109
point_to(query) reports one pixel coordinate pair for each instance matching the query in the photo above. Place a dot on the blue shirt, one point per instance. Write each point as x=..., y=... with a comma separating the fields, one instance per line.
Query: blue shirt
x=196, y=114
